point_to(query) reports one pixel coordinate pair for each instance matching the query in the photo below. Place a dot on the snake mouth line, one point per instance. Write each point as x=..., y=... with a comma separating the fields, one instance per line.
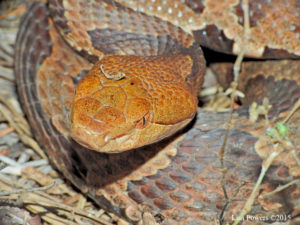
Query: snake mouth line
x=106, y=142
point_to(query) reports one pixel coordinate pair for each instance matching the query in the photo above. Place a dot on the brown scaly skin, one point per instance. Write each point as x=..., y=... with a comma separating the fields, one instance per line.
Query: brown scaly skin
x=175, y=181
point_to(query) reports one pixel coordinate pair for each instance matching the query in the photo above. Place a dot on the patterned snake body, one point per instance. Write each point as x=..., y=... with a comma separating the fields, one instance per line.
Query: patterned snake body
x=115, y=75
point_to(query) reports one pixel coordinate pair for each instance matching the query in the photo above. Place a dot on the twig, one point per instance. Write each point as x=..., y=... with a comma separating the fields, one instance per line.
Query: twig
x=281, y=143
x=280, y=188
x=234, y=93
x=293, y=152
x=295, y=108
x=265, y=166
x=7, y=74
x=6, y=131
x=39, y=201
x=16, y=11
x=24, y=138
x=18, y=191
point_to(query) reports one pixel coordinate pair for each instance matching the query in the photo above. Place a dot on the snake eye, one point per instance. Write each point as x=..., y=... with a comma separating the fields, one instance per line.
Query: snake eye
x=142, y=123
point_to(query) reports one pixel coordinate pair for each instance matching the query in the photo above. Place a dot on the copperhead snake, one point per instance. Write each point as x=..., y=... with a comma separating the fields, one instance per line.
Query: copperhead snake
x=102, y=82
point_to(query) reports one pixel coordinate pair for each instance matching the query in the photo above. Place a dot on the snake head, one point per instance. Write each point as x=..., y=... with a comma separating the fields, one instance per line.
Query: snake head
x=126, y=102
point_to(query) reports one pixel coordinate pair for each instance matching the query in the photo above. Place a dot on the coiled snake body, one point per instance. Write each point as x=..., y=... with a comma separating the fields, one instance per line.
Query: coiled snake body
x=113, y=76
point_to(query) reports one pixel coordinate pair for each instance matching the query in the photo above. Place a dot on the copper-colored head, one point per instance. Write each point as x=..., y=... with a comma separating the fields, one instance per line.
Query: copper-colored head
x=126, y=102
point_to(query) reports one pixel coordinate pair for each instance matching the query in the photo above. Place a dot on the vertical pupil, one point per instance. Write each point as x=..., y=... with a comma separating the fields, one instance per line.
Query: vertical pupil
x=144, y=121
